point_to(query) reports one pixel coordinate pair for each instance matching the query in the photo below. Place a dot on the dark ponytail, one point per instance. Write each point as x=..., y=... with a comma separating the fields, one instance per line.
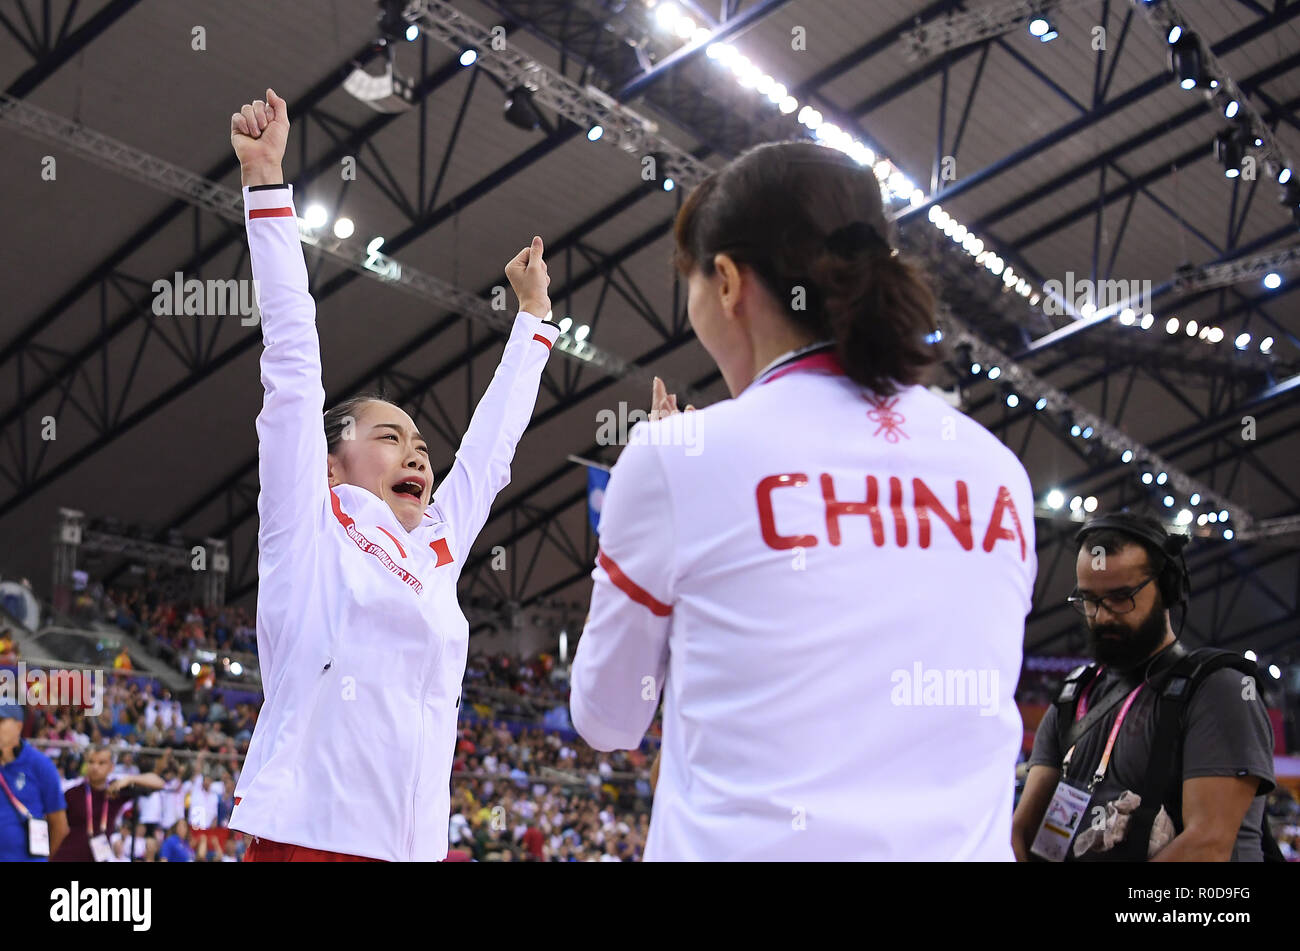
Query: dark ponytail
x=808, y=221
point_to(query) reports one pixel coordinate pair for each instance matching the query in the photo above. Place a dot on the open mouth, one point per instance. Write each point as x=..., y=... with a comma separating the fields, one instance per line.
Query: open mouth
x=410, y=488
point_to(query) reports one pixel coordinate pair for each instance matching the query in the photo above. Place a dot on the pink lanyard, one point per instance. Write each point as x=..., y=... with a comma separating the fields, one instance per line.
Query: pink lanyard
x=1100, y=774
x=90, y=812
x=22, y=810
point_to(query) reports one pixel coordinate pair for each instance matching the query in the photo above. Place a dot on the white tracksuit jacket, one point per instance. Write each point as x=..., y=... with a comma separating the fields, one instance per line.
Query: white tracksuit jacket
x=360, y=638
x=827, y=589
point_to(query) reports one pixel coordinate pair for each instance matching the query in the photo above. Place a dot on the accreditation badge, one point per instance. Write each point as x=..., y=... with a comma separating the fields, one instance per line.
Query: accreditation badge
x=1064, y=813
x=100, y=850
x=38, y=838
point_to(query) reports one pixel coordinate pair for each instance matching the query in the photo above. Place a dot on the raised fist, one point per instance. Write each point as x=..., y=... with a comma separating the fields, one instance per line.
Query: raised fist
x=259, y=132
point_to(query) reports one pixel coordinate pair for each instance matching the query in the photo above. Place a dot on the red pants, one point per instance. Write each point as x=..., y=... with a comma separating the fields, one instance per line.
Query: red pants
x=264, y=850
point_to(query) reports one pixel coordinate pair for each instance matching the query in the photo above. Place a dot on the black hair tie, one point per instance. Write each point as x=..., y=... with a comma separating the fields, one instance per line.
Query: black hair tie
x=855, y=237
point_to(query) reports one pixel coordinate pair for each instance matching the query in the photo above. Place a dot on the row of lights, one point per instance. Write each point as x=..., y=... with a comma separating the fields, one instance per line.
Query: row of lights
x=1187, y=60
x=1210, y=334
x=1088, y=504
x=894, y=183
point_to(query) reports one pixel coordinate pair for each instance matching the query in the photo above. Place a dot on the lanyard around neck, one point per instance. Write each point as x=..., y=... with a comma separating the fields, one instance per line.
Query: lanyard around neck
x=1100, y=774
x=90, y=812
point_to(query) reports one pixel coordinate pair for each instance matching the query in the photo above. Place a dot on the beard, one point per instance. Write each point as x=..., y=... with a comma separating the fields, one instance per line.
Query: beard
x=1132, y=645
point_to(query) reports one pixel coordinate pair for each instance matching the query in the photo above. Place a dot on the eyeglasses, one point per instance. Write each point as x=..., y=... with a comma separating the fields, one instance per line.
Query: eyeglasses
x=1118, y=603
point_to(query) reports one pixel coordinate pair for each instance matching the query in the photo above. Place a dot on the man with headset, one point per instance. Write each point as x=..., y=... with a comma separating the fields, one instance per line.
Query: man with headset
x=1153, y=751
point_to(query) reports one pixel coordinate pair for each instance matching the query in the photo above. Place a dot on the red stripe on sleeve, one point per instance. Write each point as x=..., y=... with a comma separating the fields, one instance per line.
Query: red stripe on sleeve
x=285, y=212
x=543, y=340
x=629, y=587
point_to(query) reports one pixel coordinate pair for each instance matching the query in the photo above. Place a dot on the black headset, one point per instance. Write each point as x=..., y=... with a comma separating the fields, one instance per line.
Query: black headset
x=1173, y=579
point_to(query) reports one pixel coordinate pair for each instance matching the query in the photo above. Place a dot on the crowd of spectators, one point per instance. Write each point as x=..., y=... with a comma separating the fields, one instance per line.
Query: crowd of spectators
x=524, y=787
x=508, y=778
x=173, y=628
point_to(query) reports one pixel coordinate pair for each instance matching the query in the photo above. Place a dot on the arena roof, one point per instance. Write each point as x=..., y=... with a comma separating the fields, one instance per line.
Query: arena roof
x=1073, y=161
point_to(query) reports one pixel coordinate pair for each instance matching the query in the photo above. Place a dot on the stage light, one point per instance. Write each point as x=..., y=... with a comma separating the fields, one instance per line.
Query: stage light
x=1147, y=321
x=468, y=57
x=1012, y=400
x=1212, y=516
x=1076, y=430
x=412, y=33
x=520, y=111
x=1184, y=517
x=1274, y=671
x=667, y=15
x=1171, y=325
x=1090, y=504
x=1251, y=655
x=1273, y=280
x=1227, y=534
x=1162, y=478
x=669, y=184
x=1126, y=456
x=1223, y=515
x=1242, y=341
x=581, y=333
x=1201, y=519
x=1195, y=499
x=1169, y=501
x=1087, y=432
x=1041, y=404
x=1284, y=176
x=1186, y=62
x=789, y=104
x=565, y=324
x=994, y=372
x=375, y=244
x=1231, y=109
x=975, y=369
x=595, y=132
x=1191, y=328
x=316, y=216
x=1228, y=150
x=1055, y=499
x=1127, y=317
x=1147, y=478
x=343, y=228
x=1076, y=503
x=1266, y=345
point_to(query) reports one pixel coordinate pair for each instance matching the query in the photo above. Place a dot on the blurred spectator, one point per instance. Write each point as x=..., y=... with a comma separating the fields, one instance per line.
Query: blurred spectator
x=94, y=805
x=176, y=847
x=29, y=784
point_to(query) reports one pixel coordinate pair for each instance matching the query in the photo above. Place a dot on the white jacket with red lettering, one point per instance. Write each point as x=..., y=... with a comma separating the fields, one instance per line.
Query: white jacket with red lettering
x=361, y=641
x=828, y=590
